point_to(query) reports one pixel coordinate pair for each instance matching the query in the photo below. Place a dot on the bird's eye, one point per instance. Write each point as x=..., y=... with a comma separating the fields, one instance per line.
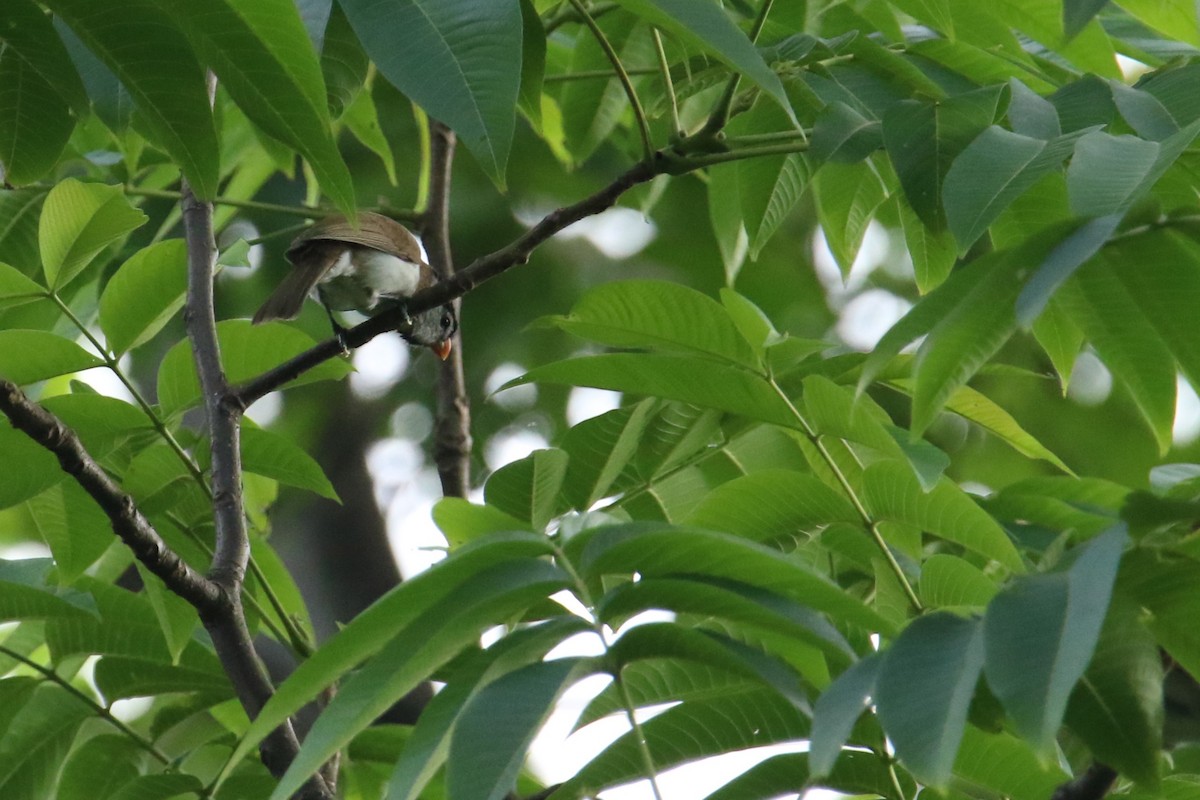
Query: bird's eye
x=446, y=321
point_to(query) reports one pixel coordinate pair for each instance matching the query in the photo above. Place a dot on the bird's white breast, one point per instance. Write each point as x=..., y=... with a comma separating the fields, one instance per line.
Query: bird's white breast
x=386, y=274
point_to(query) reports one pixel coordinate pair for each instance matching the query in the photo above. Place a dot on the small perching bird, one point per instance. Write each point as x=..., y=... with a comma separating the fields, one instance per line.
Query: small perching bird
x=366, y=268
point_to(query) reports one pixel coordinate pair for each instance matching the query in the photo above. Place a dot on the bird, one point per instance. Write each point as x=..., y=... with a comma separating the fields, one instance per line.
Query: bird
x=365, y=266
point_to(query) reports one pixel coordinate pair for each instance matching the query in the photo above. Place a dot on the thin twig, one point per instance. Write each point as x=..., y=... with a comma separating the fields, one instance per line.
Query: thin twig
x=99, y=709
x=720, y=114
x=452, y=440
x=605, y=45
x=668, y=85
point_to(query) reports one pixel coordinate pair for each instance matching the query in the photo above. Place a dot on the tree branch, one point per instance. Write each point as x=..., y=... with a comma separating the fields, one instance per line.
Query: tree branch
x=127, y=520
x=451, y=287
x=452, y=448
x=228, y=630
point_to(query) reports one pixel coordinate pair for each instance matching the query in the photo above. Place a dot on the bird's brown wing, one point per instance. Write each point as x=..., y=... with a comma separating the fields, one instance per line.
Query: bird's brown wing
x=374, y=230
x=311, y=260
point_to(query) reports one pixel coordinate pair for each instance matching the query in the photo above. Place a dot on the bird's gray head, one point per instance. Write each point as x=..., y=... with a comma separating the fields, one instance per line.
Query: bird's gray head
x=434, y=329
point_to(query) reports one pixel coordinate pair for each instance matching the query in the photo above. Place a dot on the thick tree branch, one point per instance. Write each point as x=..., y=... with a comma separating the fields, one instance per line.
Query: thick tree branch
x=232, y=549
x=452, y=440
x=455, y=286
x=127, y=521
x=228, y=630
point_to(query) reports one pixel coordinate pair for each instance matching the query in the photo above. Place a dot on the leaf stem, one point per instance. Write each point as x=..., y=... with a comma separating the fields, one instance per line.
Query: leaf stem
x=593, y=74
x=100, y=710
x=252, y=205
x=626, y=83
x=585, y=597
x=870, y=524
x=763, y=138
x=160, y=427
x=720, y=114
x=709, y=159
x=665, y=68
x=568, y=14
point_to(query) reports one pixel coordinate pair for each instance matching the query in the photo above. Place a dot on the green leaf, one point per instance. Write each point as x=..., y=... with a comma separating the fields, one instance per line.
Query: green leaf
x=275, y=456
x=35, y=122
x=747, y=607
x=1041, y=633
x=1147, y=116
x=29, y=35
x=951, y=582
x=891, y=492
x=1060, y=338
x=461, y=521
x=768, y=186
x=838, y=708
x=362, y=119
x=427, y=748
x=923, y=139
x=968, y=318
x=750, y=321
x=533, y=63
x=374, y=628
x=842, y=134
x=31, y=356
x=656, y=641
x=1107, y=172
x=704, y=25
x=699, y=381
x=497, y=725
x=1127, y=341
x=24, y=594
x=425, y=644
x=1165, y=294
x=78, y=221
x=163, y=786
x=592, y=109
x=654, y=550
x=39, y=468
x=658, y=315
x=110, y=100
x=734, y=721
x=246, y=351
x=264, y=59
x=933, y=254
x=15, y=284
x=993, y=170
x=725, y=216
x=119, y=677
x=847, y=196
x=460, y=61
x=1003, y=763
x=153, y=60
x=37, y=742
x=98, y=767
x=600, y=448
x=770, y=505
x=1030, y=114
x=143, y=295
x=1061, y=263
x=1078, y=13
x=1117, y=706
x=924, y=690
x=654, y=681
x=530, y=489
x=984, y=412
x=73, y=526
x=855, y=773
x=1175, y=18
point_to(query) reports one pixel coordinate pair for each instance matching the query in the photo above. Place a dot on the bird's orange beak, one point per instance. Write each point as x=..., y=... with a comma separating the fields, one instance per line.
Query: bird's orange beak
x=442, y=349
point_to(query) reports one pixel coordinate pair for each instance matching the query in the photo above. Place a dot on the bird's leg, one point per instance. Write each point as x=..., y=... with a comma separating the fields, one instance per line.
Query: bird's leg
x=339, y=332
